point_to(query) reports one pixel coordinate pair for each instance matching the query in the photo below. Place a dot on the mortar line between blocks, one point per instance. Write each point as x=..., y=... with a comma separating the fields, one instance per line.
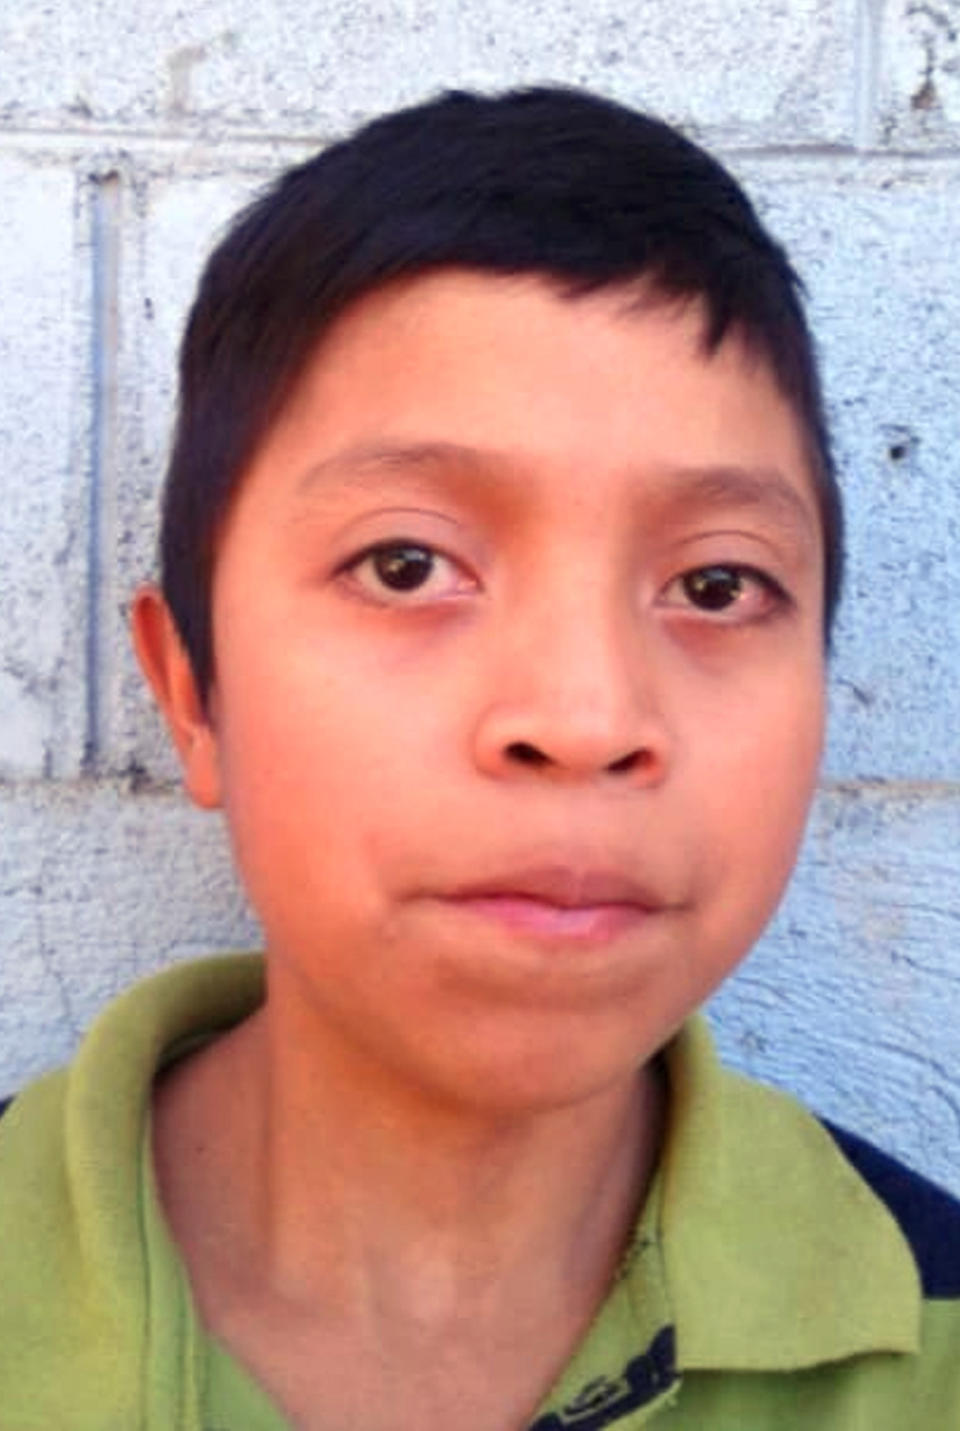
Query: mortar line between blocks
x=104, y=336
x=866, y=71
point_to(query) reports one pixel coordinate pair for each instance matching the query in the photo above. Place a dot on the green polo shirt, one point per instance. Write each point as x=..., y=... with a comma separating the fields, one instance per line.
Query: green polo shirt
x=766, y=1284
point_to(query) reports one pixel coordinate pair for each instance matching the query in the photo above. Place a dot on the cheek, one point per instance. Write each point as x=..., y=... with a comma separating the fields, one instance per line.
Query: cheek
x=317, y=782
x=770, y=775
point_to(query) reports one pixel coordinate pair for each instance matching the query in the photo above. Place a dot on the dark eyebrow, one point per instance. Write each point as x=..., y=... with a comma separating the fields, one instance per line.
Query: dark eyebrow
x=675, y=489
x=765, y=488
x=368, y=459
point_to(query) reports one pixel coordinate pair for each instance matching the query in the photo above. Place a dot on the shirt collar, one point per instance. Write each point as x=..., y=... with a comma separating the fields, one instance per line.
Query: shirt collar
x=777, y=1255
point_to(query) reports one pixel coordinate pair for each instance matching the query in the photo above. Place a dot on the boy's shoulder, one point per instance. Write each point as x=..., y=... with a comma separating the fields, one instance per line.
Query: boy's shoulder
x=927, y=1215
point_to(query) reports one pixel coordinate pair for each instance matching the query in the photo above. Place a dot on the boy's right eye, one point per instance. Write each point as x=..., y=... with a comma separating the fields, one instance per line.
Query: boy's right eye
x=402, y=568
x=391, y=571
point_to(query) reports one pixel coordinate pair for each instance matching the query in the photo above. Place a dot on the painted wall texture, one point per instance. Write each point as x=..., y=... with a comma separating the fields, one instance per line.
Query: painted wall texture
x=128, y=134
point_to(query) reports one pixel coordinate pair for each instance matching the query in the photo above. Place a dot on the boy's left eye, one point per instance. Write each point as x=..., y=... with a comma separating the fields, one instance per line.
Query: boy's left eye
x=726, y=589
x=391, y=571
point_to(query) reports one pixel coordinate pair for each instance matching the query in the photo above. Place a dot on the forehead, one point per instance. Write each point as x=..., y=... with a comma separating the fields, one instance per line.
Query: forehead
x=478, y=376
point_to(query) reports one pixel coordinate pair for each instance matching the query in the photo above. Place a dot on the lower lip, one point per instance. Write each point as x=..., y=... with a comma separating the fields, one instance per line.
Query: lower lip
x=582, y=924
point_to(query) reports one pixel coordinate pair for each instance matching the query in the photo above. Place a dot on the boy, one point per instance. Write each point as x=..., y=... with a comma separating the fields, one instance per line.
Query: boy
x=500, y=547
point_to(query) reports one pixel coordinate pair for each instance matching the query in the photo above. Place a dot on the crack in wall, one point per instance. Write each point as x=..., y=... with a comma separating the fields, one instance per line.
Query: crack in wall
x=104, y=337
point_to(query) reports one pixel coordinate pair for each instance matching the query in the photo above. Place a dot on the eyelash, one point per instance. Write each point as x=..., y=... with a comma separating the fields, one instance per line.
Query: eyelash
x=774, y=595
x=399, y=547
x=742, y=574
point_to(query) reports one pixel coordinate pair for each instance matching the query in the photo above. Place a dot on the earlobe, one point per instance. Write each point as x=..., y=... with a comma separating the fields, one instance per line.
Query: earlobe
x=166, y=665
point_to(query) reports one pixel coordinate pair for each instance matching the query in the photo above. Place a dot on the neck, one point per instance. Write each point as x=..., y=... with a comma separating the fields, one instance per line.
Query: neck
x=349, y=1188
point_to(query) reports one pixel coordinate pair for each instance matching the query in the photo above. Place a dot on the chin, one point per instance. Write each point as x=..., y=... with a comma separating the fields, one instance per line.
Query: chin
x=518, y=1073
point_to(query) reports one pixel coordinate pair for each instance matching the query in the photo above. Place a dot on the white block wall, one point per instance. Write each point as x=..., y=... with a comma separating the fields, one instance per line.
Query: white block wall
x=128, y=135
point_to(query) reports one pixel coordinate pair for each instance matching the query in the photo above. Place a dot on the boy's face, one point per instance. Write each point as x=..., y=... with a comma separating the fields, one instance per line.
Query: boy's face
x=518, y=700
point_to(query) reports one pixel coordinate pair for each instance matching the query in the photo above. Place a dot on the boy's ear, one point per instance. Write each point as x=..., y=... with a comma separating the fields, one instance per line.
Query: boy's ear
x=166, y=665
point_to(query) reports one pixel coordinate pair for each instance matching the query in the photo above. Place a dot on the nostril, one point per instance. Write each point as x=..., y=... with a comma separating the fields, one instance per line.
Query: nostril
x=526, y=754
x=636, y=760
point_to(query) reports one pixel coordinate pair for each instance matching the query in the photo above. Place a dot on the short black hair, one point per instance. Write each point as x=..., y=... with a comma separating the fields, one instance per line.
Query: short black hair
x=549, y=180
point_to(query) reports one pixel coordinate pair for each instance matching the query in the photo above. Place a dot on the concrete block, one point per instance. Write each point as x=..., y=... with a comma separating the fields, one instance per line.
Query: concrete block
x=168, y=229
x=782, y=73
x=852, y=998
x=97, y=888
x=301, y=65
x=878, y=253
x=878, y=261
x=43, y=475
x=919, y=74
x=777, y=74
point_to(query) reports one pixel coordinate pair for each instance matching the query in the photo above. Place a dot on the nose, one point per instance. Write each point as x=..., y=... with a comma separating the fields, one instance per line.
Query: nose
x=575, y=696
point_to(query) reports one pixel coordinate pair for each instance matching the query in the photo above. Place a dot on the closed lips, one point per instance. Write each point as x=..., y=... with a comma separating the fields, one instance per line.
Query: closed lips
x=565, y=887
